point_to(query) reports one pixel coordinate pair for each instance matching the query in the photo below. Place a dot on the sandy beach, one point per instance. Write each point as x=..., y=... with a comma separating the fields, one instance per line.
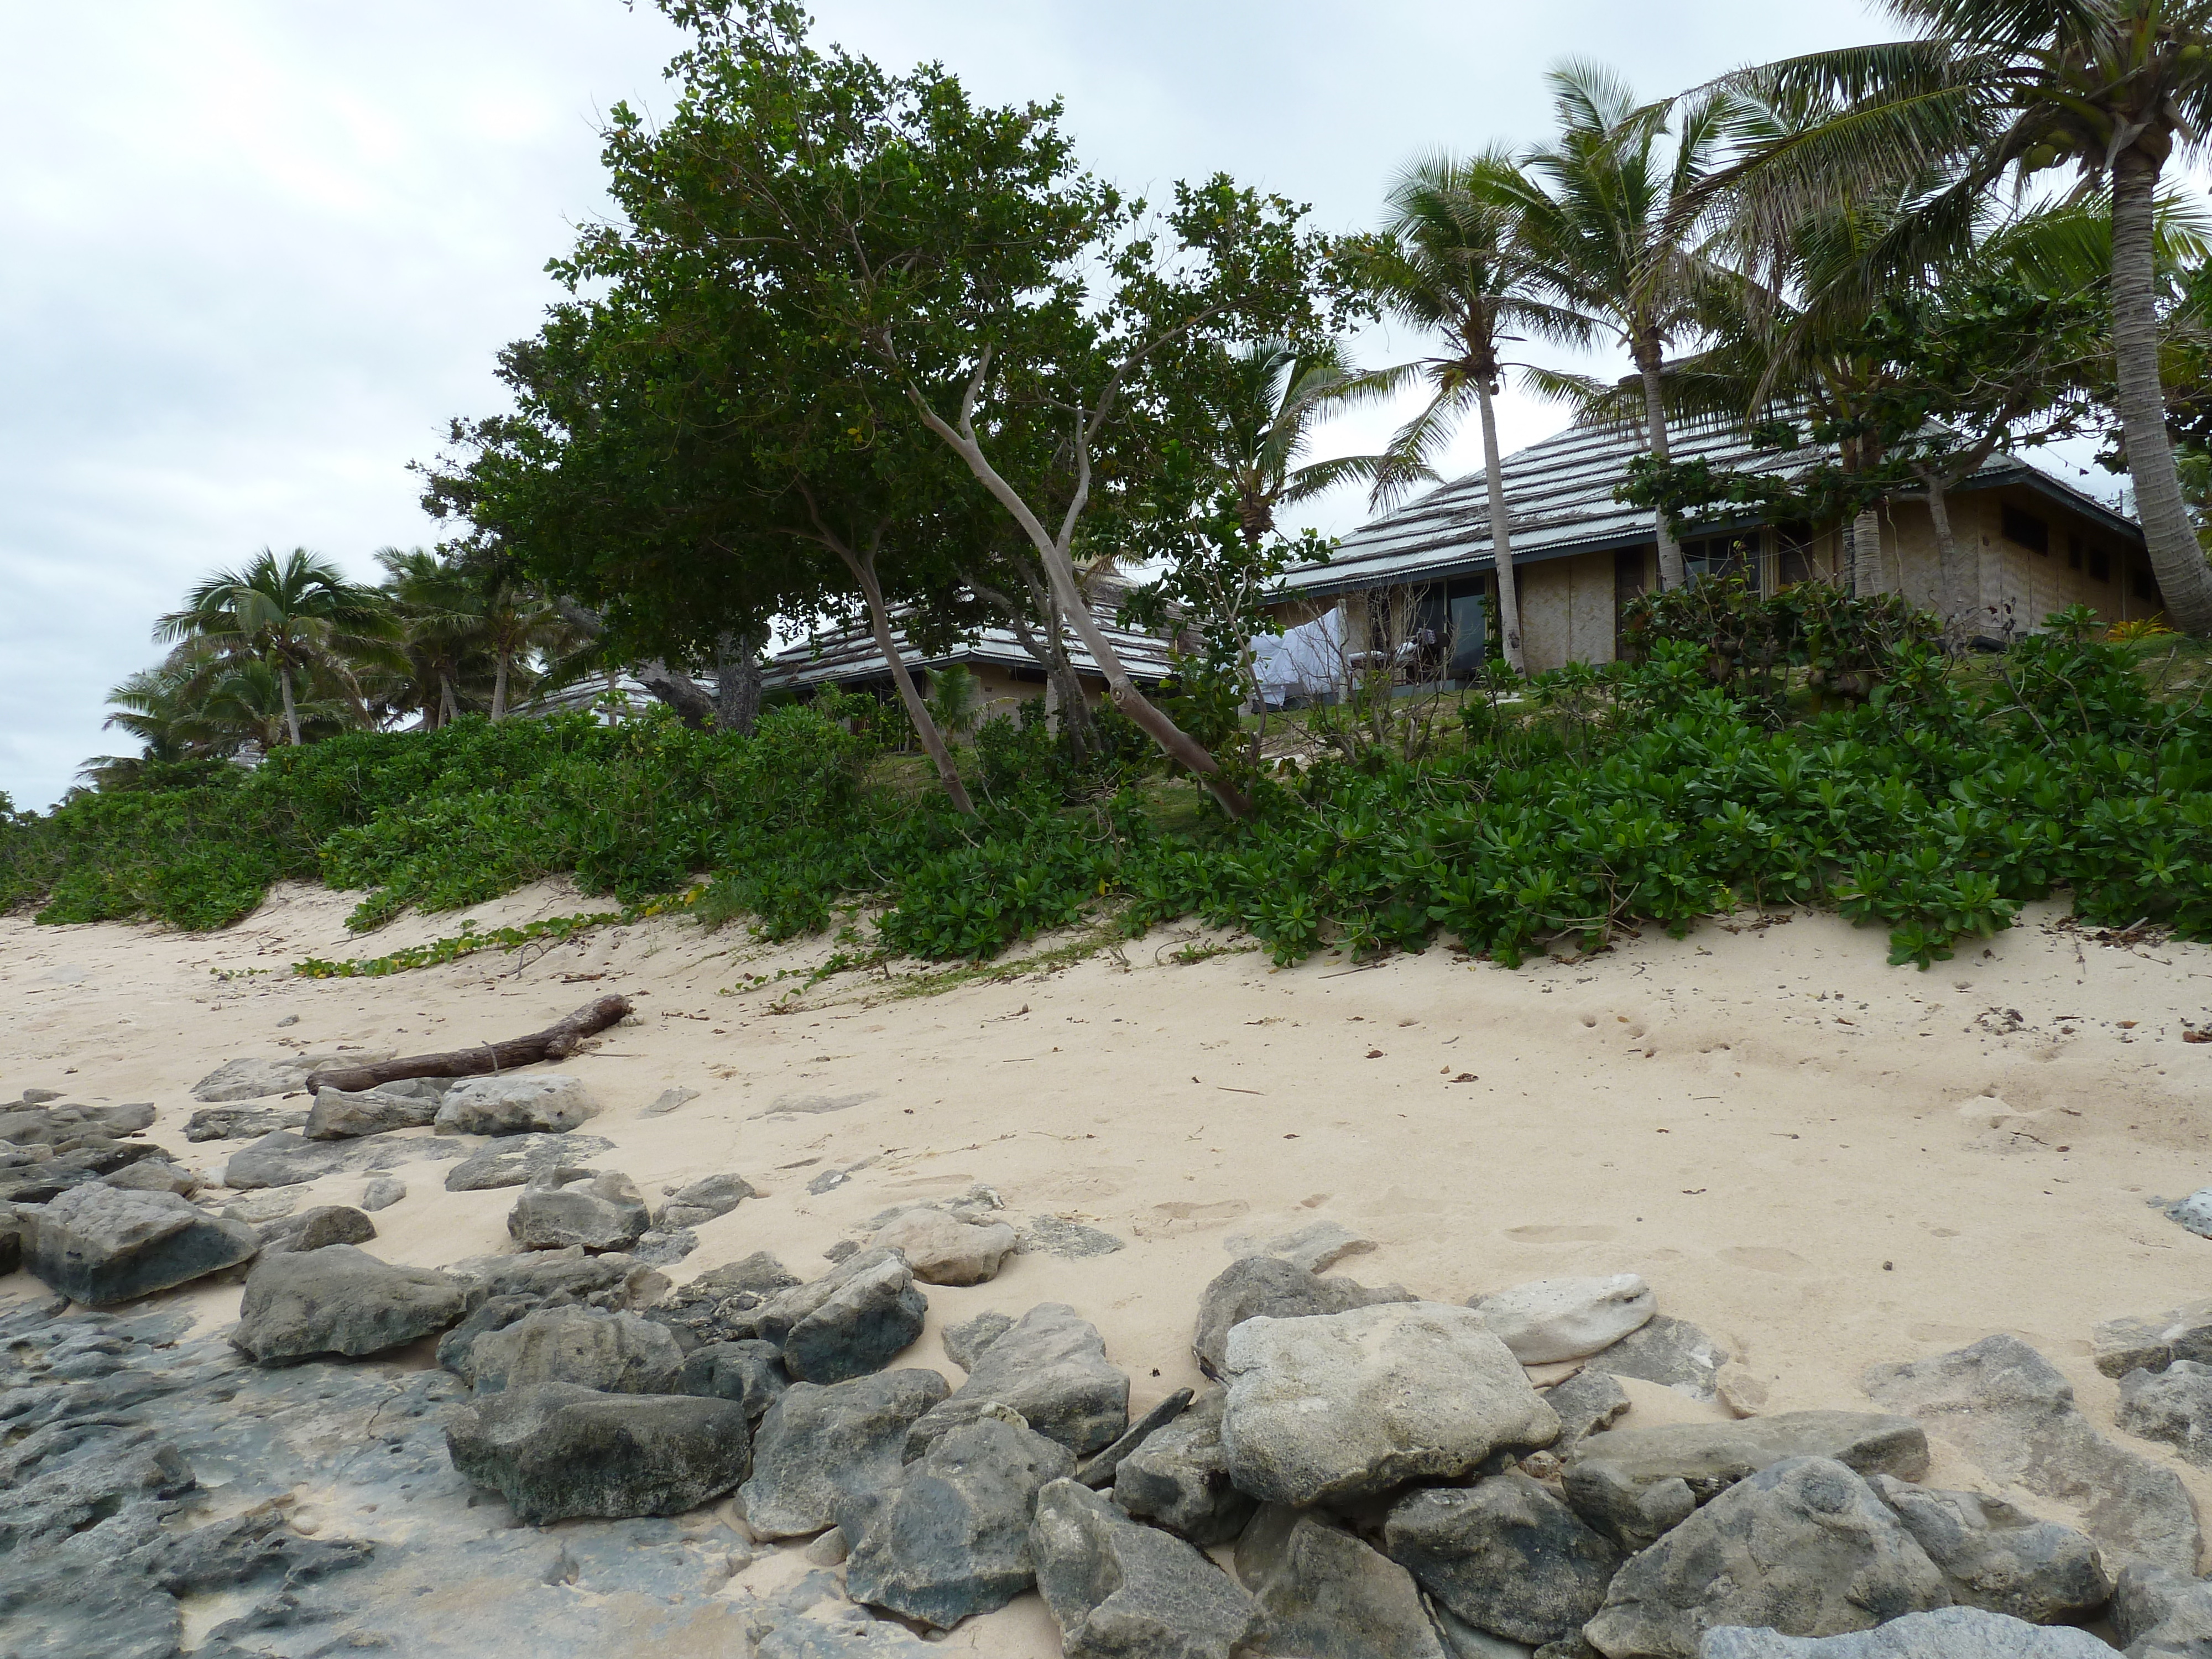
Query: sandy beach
x=1824, y=1161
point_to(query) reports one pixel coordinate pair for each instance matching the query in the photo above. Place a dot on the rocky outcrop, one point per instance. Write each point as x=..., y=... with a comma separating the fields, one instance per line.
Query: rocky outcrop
x=1120, y=1590
x=556, y=1450
x=701, y=1202
x=609, y=1353
x=103, y=1245
x=311, y=1230
x=1050, y=1365
x=340, y=1300
x=1179, y=1477
x=1263, y=1286
x=1551, y=1320
x=1504, y=1555
x=1999, y=1557
x=1945, y=1633
x=336, y=1115
x=518, y=1159
x=2174, y=1405
x=750, y=1373
x=594, y=1211
x=825, y=1457
x=516, y=1104
x=942, y=1249
x=1320, y=1593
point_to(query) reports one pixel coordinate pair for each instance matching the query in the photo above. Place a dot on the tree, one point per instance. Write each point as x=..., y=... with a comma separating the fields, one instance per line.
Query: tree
x=298, y=615
x=1450, y=261
x=431, y=599
x=1990, y=89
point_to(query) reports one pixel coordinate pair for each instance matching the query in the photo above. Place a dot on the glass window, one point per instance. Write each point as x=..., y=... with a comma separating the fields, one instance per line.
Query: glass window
x=1470, y=621
x=1728, y=557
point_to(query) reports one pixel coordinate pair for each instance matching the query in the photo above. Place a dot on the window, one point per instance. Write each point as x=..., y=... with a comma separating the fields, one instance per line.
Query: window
x=2024, y=528
x=2101, y=565
x=1470, y=623
x=2141, y=584
x=1726, y=557
x=1793, y=544
x=2073, y=552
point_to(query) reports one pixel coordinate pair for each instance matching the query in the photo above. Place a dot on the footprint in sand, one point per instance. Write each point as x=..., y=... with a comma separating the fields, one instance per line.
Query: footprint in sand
x=1765, y=1259
x=1560, y=1235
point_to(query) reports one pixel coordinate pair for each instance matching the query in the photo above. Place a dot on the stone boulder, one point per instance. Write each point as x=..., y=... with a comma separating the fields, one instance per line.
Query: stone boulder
x=285, y=1160
x=1262, y=1287
x=1504, y=1555
x=1179, y=1477
x=339, y=1300
x=556, y=1450
x=953, y=1538
x=240, y=1122
x=943, y=1250
x=869, y=1319
x=1587, y=1403
x=1050, y=1365
x=1119, y=1590
x=964, y=1343
x=101, y=1245
x=1999, y=1557
x=1316, y=1247
x=382, y=1192
x=311, y=1230
x=2009, y=1411
x=825, y=1457
x=613, y=1281
x=517, y=1160
x=750, y=1373
x=1550, y=1320
x=1803, y=1548
x=513, y=1105
x=2159, y=1613
x=1320, y=1593
x=1342, y=1406
x=337, y=1115
x=605, y=1352
x=1634, y=1484
x=603, y=1213
x=154, y=1174
x=250, y=1080
x=2153, y=1343
x=2174, y=1405
x=1672, y=1352
x=1944, y=1633
x=702, y=1201
x=1097, y=1470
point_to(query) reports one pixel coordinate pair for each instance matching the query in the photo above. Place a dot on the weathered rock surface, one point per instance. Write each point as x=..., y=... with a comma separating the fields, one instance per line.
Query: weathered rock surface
x=1179, y=1477
x=944, y=1250
x=965, y=1342
x=1053, y=1235
x=1342, y=1406
x=382, y=1193
x=1944, y=1633
x=240, y=1122
x=250, y=1080
x=1050, y=1365
x=2174, y=1405
x=750, y=1373
x=1587, y=1403
x=1120, y=1590
x=1320, y=1593
x=337, y=1115
x=1803, y=1548
x=2159, y=1613
x=607, y=1353
x=285, y=1159
x=340, y=1299
x=101, y=1245
x=1099, y=1468
x=702, y=1201
x=2194, y=1211
x=2151, y=1344
x=1315, y=1247
x=517, y=1160
x=1504, y=1555
x=870, y=1317
x=1634, y=1484
x=154, y=1174
x=1998, y=1557
x=953, y=1538
x=603, y=1213
x=548, y=1104
x=556, y=1450
x=1550, y=1320
x=1672, y=1352
x=826, y=1456
x=311, y=1230
x=2010, y=1411
x=1264, y=1286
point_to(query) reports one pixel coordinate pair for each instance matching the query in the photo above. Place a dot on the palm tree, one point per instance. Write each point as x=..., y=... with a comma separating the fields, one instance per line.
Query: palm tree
x=155, y=706
x=1450, y=263
x=1992, y=89
x=299, y=615
x=1597, y=219
x=1272, y=399
x=438, y=623
x=515, y=621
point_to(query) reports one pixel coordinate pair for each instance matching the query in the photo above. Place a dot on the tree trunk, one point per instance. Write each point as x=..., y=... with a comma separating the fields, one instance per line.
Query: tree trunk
x=1865, y=553
x=1501, y=534
x=879, y=624
x=679, y=691
x=556, y=1041
x=447, y=705
x=291, y=710
x=2175, y=555
x=1672, y=573
x=738, y=679
x=498, y=688
x=1075, y=706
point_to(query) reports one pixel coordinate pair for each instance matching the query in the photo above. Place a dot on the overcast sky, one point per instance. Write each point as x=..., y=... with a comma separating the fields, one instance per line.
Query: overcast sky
x=258, y=253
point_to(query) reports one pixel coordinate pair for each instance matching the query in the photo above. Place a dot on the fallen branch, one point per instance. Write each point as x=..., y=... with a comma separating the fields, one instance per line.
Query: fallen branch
x=555, y=1041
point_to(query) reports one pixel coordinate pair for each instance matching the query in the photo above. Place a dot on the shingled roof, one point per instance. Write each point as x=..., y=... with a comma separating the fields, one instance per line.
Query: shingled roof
x=849, y=655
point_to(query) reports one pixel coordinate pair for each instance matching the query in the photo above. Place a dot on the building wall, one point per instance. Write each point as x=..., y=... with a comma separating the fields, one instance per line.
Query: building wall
x=1568, y=611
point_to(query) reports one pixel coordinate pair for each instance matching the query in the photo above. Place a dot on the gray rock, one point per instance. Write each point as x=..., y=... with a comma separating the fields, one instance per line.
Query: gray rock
x=101, y=1245
x=953, y=1538
x=2174, y=1405
x=1321, y=1594
x=1634, y=1484
x=1050, y=1365
x=383, y=1193
x=1672, y=1352
x=613, y=1281
x=750, y=1373
x=667, y=1101
x=1550, y=1320
x=1052, y=1235
x=1342, y=1406
x=2121, y=1346
x=1262, y=1287
x=702, y=1201
x=12, y=1225
x=760, y=1273
x=154, y=1174
x=339, y=1300
x=1587, y=1402
x=520, y=1159
x=825, y=1457
x=2159, y=1613
x=1315, y=1247
x=2194, y=1211
x=1803, y=1548
x=240, y=1122
x=870, y=1317
x=604, y=1212
x=1464, y=1641
x=944, y=1250
x=1999, y=1557
x=557, y=1450
x=549, y=1103
x=964, y=1343
x=1179, y=1477
x=39, y=1096
x=311, y=1230
x=665, y=1250
x=285, y=1159
x=265, y=1205
x=337, y=1115
x=457, y=1347
x=2012, y=1413
x=1503, y=1554
x=251, y=1079
x=606, y=1353
x=1099, y=1468
x=1944, y=1633
x=1119, y=1590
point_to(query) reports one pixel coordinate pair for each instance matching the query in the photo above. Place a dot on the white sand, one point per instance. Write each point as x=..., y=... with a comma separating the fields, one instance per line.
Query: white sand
x=1791, y=1139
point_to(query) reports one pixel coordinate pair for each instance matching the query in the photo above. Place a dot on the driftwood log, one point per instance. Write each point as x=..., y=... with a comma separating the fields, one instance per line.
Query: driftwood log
x=555, y=1041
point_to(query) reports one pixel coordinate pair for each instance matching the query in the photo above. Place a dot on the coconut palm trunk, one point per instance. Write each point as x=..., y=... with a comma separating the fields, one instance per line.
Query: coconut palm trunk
x=291, y=709
x=499, y=689
x=1672, y=572
x=2183, y=576
x=1501, y=532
